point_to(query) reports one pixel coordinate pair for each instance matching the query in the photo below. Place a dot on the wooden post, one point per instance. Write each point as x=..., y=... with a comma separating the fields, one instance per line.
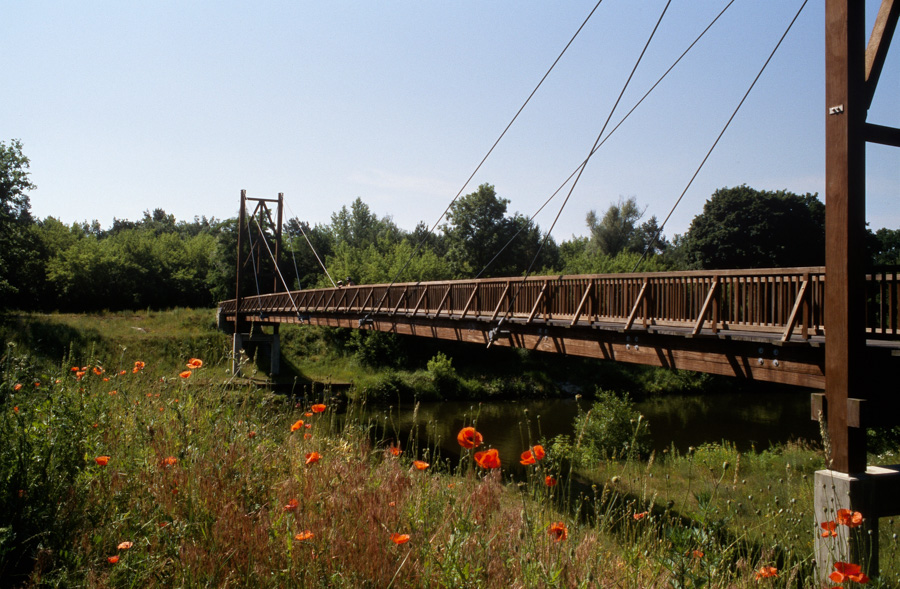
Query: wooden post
x=237, y=286
x=276, y=261
x=845, y=226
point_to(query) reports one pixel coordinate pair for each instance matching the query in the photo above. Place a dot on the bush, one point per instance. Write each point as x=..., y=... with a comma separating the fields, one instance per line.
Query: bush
x=443, y=375
x=377, y=348
x=612, y=427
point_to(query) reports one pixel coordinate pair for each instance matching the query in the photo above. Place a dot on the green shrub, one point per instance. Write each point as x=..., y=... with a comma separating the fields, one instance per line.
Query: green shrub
x=377, y=348
x=612, y=427
x=443, y=374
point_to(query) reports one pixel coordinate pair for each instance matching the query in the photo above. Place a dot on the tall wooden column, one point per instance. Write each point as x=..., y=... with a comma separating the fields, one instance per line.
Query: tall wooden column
x=845, y=227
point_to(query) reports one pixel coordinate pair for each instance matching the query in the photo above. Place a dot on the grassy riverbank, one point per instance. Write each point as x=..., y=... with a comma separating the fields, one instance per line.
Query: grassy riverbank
x=213, y=482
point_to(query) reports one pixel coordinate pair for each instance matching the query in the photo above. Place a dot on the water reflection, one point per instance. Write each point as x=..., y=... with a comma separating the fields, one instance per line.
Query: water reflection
x=746, y=419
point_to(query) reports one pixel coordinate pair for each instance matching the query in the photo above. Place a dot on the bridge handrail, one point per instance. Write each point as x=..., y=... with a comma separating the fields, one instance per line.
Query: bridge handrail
x=785, y=301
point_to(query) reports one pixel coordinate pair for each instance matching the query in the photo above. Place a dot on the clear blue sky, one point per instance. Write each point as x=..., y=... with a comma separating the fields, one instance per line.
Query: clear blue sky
x=126, y=106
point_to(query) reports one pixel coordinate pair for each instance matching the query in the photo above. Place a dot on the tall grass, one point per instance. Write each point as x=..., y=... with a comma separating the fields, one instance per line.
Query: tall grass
x=212, y=483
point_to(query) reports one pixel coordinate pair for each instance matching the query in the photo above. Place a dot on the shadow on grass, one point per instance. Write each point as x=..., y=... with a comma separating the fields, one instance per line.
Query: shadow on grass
x=50, y=342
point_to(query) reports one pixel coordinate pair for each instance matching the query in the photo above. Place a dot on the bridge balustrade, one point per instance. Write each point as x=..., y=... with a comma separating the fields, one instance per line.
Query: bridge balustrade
x=784, y=301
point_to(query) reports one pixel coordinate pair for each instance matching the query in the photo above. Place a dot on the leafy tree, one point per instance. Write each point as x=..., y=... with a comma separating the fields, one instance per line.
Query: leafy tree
x=619, y=231
x=884, y=247
x=299, y=254
x=360, y=227
x=745, y=228
x=16, y=241
x=478, y=228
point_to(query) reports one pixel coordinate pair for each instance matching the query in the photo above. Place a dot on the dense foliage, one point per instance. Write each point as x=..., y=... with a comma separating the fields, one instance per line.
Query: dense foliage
x=745, y=228
x=159, y=262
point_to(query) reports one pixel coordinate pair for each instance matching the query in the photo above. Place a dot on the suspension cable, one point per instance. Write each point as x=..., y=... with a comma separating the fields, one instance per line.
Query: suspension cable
x=312, y=247
x=489, y=152
x=252, y=258
x=277, y=269
x=592, y=151
x=608, y=135
x=721, y=133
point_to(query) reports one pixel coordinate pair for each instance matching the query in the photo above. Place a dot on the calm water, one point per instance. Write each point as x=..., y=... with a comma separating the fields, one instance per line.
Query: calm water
x=747, y=420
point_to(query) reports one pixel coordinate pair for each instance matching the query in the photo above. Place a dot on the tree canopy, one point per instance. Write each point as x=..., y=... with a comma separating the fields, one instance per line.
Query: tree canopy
x=745, y=228
x=478, y=230
x=159, y=261
x=16, y=240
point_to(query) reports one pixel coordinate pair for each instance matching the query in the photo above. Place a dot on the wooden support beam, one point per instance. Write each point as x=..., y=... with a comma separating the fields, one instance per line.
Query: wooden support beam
x=637, y=303
x=443, y=300
x=584, y=298
x=356, y=292
x=400, y=301
x=537, y=302
x=799, y=303
x=706, y=303
x=845, y=168
x=889, y=136
x=337, y=305
x=419, y=302
x=368, y=298
x=879, y=41
x=469, y=302
x=500, y=303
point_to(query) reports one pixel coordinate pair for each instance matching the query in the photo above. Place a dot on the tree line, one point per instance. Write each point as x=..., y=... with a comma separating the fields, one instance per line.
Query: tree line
x=160, y=262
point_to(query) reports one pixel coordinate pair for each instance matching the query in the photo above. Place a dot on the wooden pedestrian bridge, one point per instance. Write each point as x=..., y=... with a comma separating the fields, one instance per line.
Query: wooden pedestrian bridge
x=761, y=324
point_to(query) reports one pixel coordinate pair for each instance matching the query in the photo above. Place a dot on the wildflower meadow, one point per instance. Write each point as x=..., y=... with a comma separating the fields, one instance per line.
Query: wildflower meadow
x=139, y=471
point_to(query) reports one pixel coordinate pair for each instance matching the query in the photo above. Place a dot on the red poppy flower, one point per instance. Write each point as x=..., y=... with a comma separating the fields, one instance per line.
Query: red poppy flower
x=468, y=438
x=308, y=414
x=318, y=408
x=640, y=516
x=98, y=371
x=421, y=465
x=307, y=436
x=125, y=545
x=697, y=553
x=312, y=457
x=16, y=409
x=766, y=572
x=102, y=460
x=121, y=372
x=194, y=363
x=74, y=369
x=169, y=461
x=399, y=538
x=80, y=374
x=851, y=519
x=549, y=481
x=112, y=559
x=304, y=535
x=846, y=571
x=18, y=387
x=139, y=365
x=488, y=458
x=395, y=450
x=830, y=529
x=297, y=425
x=530, y=456
x=251, y=435
x=558, y=531
x=185, y=374
x=291, y=505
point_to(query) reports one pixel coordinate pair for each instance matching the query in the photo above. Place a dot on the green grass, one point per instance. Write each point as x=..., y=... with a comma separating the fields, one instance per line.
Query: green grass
x=216, y=515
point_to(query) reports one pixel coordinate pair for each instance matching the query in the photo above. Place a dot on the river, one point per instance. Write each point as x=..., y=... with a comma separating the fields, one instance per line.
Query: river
x=745, y=419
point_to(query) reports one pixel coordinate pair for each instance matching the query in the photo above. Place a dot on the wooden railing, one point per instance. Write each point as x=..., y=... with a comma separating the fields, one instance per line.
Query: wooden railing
x=788, y=302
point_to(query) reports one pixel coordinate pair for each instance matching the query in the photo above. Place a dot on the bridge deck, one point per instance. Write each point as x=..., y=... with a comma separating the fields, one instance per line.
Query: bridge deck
x=764, y=324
